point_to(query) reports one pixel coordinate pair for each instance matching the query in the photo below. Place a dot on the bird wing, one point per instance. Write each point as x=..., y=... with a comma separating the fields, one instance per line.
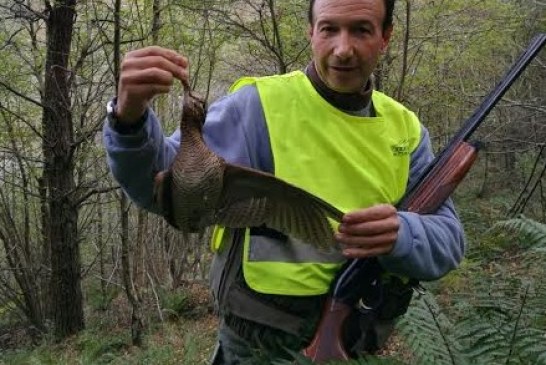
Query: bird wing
x=252, y=198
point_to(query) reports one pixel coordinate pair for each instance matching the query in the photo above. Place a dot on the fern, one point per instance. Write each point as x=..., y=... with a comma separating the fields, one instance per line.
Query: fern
x=498, y=325
x=500, y=328
x=533, y=233
x=428, y=332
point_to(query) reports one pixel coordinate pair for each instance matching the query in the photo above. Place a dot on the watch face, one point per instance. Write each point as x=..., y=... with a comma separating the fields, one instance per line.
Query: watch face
x=110, y=108
x=111, y=114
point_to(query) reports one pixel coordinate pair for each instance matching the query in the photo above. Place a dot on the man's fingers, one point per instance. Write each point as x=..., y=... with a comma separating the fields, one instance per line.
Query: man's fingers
x=166, y=53
x=359, y=253
x=370, y=228
x=150, y=65
x=147, y=76
x=387, y=238
x=374, y=213
x=148, y=91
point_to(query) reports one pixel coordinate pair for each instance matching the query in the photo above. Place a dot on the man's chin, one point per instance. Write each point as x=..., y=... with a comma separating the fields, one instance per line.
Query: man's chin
x=345, y=89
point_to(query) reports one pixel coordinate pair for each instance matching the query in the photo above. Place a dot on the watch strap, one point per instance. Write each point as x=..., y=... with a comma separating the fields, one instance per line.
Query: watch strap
x=124, y=128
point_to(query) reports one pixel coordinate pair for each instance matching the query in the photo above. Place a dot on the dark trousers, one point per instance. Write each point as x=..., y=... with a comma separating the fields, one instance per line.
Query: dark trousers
x=232, y=349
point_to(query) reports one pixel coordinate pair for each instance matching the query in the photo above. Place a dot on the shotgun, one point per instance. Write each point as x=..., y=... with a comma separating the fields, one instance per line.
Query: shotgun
x=360, y=278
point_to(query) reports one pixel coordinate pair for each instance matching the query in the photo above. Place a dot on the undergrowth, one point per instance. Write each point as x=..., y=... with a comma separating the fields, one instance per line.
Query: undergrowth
x=496, y=315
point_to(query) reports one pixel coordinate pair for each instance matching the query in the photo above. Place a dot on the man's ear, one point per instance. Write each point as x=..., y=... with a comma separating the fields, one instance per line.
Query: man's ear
x=387, y=33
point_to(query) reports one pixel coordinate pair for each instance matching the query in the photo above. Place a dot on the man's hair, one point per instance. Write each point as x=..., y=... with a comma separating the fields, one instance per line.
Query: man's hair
x=387, y=22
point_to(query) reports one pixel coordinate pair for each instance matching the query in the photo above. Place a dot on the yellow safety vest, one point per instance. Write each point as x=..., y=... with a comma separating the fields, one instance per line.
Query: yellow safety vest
x=351, y=162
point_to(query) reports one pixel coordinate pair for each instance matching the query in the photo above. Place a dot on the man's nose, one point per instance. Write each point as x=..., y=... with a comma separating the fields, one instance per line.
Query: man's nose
x=344, y=48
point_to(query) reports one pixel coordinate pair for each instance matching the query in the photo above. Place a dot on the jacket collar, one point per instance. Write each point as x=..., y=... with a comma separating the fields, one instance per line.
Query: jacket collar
x=345, y=101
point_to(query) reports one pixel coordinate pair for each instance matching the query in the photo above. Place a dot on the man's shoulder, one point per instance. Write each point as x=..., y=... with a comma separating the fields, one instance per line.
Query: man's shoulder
x=387, y=105
x=384, y=99
x=269, y=80
x=237, y=108
x=400, y=117
x=239, y=98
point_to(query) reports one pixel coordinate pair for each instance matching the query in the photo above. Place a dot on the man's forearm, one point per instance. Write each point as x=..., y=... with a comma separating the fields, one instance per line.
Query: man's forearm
x=429, y=246
x=135, y=158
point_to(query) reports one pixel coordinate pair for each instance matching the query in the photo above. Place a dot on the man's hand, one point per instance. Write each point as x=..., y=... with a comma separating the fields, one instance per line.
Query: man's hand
x=145, y=73
x=369, y=232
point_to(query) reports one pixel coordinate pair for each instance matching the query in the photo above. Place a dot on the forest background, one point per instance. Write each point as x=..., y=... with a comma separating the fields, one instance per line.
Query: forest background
x=86, y=277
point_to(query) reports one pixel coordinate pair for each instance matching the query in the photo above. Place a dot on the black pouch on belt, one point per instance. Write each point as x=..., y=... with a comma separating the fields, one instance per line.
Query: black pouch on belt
x=367, y=330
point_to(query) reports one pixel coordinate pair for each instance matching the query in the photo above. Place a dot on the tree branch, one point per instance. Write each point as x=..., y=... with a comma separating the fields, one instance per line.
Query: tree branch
x=27, y=123
x=19, y=94
x=93, y=192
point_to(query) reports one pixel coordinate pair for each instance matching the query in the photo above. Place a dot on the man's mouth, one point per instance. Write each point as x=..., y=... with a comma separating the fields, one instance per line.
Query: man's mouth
x=343, y=68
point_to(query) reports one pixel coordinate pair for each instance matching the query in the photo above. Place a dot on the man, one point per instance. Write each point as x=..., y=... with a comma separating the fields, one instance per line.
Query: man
x=323, y=129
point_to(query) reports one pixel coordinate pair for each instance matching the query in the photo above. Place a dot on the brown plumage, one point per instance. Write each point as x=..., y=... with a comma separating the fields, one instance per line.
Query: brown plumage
x=201, y=189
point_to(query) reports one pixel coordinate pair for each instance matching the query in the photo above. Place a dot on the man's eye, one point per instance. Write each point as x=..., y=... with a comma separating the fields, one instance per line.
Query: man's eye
x=327, y=29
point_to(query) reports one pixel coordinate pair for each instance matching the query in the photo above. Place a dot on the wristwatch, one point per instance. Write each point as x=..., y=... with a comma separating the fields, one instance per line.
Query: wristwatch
x=115, y=124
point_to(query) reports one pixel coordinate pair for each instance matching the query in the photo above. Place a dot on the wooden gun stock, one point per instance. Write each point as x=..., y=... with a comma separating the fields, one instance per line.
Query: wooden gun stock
x=442, y=181
x=327, y=343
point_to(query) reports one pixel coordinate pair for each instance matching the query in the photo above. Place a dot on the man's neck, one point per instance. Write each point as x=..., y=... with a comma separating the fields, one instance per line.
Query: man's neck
x=352, y=102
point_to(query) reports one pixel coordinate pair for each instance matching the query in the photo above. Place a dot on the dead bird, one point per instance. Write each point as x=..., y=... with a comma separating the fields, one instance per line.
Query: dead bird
x=201, y=189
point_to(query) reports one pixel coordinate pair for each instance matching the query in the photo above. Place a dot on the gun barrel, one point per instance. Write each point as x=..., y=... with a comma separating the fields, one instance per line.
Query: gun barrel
x=482, y=111
x=504, y=84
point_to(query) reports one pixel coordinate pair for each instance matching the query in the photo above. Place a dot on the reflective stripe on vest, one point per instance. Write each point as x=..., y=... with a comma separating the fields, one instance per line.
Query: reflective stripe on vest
x=352, y=162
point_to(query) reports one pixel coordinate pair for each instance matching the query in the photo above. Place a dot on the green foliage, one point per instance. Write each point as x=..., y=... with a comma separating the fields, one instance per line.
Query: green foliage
x=36, y=358
x=157, y=355
x=191, y=352
x=495, y=328
x=499, y=319
x=96, y=348
x=502, y=325
x=175, y=303
x=428, y=332
x=532, y=233
x=98, y=299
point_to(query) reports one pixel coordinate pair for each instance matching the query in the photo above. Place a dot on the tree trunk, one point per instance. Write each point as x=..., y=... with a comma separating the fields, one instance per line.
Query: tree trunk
x=45, y=255
x=132, y=295
x=404, y=70
x=59, y=173
x=136, y=316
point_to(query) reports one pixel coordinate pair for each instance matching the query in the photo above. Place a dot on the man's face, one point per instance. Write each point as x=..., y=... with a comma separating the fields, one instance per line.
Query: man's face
x=347, y=39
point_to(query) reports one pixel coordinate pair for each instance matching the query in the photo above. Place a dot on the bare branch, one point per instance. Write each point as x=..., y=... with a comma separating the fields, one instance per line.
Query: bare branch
x=21, y=95
x=20, y=10
x=92, y=192
x=20, y=118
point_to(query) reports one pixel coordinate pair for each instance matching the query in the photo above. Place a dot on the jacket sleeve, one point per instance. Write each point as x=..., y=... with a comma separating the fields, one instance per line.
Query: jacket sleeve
x=135, y=158
x=431, y=245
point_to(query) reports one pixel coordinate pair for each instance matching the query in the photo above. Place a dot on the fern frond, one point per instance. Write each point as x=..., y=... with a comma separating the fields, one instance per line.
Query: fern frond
x=502, y=326
x=428, y=333
x=533, y=233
